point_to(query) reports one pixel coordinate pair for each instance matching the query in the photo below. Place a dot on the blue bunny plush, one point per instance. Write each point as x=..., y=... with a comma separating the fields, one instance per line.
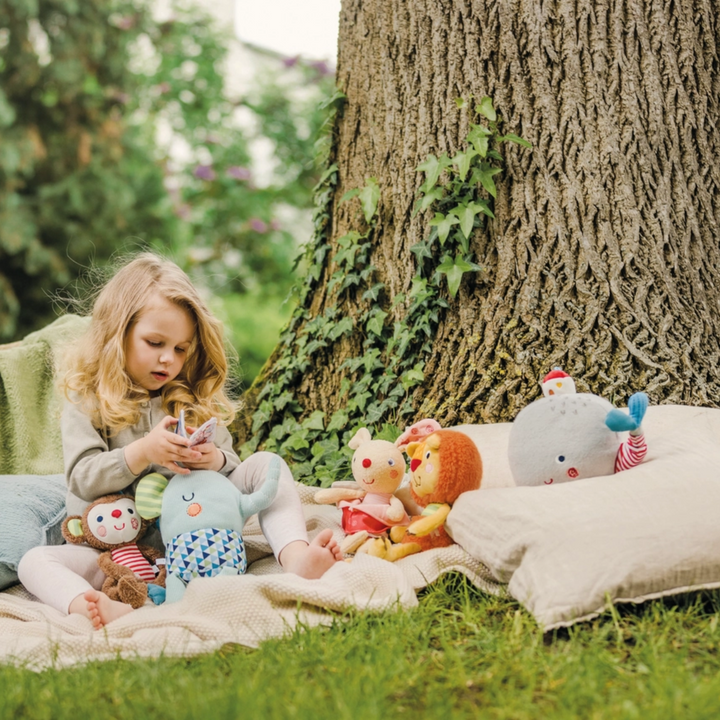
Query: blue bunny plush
x=202, y=516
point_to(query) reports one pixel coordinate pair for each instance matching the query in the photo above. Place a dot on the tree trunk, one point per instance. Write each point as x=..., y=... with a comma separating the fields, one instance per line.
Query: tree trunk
x=603, y=255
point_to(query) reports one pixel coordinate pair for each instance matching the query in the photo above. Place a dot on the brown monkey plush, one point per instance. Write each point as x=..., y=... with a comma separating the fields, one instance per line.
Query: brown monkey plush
x=112, y=523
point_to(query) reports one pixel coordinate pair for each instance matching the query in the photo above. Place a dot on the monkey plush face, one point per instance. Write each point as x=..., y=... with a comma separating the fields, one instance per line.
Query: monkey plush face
x=114, y=523
x=107, y=523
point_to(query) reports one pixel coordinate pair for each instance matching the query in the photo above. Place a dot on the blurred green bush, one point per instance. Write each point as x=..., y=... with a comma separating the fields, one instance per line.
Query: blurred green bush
x=117, y=132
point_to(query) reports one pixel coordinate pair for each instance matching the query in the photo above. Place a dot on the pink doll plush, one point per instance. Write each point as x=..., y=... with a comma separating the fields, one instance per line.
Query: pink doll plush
x=370, y=509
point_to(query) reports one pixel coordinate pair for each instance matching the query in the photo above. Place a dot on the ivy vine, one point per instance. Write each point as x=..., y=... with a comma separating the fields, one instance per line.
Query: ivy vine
x=397, y=332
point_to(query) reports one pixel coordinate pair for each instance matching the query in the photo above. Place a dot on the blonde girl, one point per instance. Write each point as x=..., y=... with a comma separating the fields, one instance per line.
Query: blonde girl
x=152, y=349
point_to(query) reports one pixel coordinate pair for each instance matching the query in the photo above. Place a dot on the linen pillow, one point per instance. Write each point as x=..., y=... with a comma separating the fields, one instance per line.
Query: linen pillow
x=643, y=533
x=32, y=508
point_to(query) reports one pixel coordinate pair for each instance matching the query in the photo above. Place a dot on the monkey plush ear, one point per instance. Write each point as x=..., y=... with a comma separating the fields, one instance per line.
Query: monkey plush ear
x=149, y=494
x=72, y=530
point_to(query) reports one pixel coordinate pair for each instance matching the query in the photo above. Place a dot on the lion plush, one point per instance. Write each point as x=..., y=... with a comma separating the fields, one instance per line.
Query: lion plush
x=112, y=523
x=443, y=465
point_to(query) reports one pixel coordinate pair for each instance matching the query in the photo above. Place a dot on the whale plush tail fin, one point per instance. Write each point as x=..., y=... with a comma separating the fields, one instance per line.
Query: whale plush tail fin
x=618, y=421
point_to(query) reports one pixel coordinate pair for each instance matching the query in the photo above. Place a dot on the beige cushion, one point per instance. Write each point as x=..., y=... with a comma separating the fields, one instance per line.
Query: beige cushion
x=566, y=550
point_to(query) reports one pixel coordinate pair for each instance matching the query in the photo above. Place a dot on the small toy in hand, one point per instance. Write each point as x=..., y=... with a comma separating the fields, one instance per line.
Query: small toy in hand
x=369, y=509
x=444, y=465
x=134, y=572
x=568, y=436
x=204, y=434
x=202, y=516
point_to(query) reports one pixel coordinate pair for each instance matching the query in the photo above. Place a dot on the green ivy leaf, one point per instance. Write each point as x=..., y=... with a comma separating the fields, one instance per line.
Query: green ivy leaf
x=345, y=385
x=444, y=224
x=478, y=138
x=315, y=421
x=484, y=208
x=315, y=345
x=369, y=197
x=484, y=174
x=359, y=401
x=454, y=270
x=350, y=279
x=330, y=171
x=372, y=361
x=349, y=240
x=462, y=162
x=420, y=250
x=346, y=256
x=326, y=446
x=376, y=322
x=295, y=442
x=343, y=327
x=429, y=198
x=314, y=272
x=337, y=99
x=466, y=217
x=419, y=287
x=260, y=418
x=282, y=400
x=349, y=195
x=397, y=391
x=398, y=299
x=432, y=167
x=373, y=413
x=373, y=292
x=516, y=139
x=413, y=377
x=366, y=272
x=338, y=421
x=486, y=108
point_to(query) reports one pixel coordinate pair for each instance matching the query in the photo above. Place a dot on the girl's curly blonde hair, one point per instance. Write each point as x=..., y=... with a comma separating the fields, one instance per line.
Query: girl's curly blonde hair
x=96, y=376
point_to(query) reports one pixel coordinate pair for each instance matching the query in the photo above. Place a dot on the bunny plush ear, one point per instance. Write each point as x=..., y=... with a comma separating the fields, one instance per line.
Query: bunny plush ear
x=149, y=494
x=361, y=437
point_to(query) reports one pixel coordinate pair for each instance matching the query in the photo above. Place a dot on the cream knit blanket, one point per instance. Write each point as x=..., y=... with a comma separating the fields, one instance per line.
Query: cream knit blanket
x=265, y=603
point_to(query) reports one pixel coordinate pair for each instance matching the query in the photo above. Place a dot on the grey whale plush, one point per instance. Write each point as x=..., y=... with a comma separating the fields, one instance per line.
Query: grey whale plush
x=572, y=436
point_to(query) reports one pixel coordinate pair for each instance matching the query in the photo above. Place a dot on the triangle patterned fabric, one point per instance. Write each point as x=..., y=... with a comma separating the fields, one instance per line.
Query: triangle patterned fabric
x=205, y=552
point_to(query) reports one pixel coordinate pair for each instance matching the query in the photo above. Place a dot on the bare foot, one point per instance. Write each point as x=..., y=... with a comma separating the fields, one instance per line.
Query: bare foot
x=313, y=560
x=97, y=607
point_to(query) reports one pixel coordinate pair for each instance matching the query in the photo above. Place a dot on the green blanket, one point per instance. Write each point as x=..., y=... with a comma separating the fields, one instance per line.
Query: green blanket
x=30, y=402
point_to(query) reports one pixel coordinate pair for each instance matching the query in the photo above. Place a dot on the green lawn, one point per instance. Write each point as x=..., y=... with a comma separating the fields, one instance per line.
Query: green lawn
x=460, y=654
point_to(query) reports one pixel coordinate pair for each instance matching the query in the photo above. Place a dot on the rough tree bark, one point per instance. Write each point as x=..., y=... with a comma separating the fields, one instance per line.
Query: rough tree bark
x=603, y=256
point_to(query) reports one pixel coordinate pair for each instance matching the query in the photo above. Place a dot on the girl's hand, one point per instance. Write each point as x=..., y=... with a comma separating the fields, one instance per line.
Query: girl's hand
x=212, y=458
x=163, y=447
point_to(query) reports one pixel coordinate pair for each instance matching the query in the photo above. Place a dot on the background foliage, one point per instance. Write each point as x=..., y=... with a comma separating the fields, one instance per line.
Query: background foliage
x=117, y=132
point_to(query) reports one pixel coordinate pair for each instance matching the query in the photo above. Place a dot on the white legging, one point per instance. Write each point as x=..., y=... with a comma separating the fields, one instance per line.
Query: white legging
x=56, y=575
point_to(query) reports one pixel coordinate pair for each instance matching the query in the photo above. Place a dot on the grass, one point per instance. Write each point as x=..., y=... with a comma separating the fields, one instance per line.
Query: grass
x=460, y=654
